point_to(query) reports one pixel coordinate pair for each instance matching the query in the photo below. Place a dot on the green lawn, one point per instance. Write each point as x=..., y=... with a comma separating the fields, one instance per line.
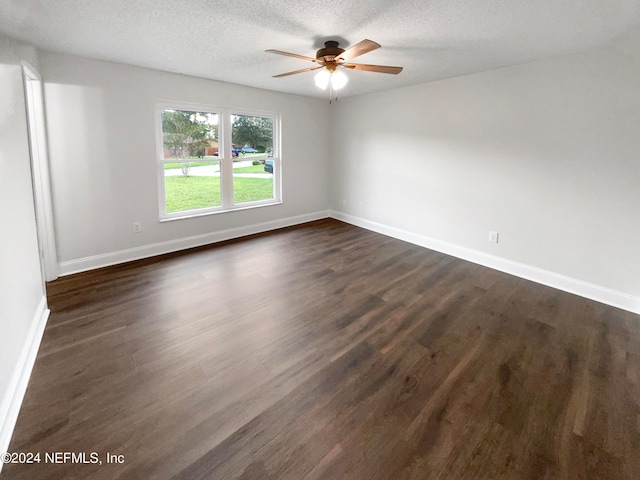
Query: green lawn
x=251, y=169
x=190, y=193
x=253, y=156
x=200, y=163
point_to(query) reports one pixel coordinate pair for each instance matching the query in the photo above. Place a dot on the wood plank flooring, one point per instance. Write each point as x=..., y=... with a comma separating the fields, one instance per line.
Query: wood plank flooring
x=326, y=351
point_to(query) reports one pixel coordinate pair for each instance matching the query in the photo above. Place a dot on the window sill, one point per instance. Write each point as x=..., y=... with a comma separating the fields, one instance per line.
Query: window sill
x=197, y=213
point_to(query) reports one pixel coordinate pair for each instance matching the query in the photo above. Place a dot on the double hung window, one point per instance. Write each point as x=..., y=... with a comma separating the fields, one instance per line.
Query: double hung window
x=215, y=160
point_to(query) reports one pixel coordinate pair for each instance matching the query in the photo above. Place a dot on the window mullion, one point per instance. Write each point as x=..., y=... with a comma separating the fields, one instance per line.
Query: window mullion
x=226, y=170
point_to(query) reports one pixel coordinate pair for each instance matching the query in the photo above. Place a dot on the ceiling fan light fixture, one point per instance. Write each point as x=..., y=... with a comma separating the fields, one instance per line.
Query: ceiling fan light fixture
x=331, y=60
x=322, y=78
x=336, y=78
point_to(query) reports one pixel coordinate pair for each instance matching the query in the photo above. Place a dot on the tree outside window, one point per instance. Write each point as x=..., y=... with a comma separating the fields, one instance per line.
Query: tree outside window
x=187, y=134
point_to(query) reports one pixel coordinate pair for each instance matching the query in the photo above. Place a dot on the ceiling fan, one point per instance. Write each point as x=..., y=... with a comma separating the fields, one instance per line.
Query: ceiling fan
x=331, y=57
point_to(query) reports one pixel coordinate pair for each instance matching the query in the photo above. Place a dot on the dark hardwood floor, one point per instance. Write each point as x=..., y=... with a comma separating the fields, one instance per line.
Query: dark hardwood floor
x=325, y=351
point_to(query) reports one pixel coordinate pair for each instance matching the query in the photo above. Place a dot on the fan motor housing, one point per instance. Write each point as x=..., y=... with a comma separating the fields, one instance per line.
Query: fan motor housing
x=330, y=51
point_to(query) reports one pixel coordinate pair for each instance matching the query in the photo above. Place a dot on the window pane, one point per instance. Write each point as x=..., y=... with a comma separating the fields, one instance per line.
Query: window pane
x=192, y=185
x=188, y=134
x=252, y=141
x=191, y=175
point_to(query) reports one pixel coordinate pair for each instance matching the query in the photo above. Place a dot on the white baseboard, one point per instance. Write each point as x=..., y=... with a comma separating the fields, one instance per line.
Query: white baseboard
x=561, y=282
x=151, y=250
x=10, y=404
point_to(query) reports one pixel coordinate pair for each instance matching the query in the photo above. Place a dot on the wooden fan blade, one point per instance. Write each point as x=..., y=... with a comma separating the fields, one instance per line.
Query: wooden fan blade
x=294, y=55
x=373, y=68
x=365, y=46
x=297, y=71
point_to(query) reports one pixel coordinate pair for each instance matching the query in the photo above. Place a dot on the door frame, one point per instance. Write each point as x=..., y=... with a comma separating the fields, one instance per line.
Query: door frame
x=34, y=100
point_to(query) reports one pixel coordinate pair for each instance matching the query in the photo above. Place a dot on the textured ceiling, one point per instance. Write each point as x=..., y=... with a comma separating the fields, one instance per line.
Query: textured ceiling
x=225, y=39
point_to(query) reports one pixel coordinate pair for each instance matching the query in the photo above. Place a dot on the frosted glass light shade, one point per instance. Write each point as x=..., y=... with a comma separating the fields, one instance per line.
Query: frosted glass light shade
x=322, y=78
x=337, y=78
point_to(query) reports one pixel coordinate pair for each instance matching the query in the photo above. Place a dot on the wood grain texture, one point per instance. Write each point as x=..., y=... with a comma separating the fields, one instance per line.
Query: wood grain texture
x=326, y=351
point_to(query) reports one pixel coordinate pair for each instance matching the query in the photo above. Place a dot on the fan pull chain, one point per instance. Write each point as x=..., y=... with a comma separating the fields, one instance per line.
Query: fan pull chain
x=331, y=93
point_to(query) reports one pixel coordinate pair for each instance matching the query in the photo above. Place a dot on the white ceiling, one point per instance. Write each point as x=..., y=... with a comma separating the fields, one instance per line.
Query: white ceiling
x=225, y=39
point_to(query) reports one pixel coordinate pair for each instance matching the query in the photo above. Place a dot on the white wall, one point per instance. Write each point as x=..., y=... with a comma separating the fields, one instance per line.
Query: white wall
x=22, y=301
x=547, y=154
x=102, y=142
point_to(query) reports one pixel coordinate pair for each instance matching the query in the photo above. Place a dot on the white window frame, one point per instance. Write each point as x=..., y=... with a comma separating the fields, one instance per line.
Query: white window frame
x=224, y=157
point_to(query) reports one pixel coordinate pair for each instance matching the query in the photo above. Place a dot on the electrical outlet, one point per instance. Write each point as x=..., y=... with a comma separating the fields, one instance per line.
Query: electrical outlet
x=137, y=227
x=493, y=237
